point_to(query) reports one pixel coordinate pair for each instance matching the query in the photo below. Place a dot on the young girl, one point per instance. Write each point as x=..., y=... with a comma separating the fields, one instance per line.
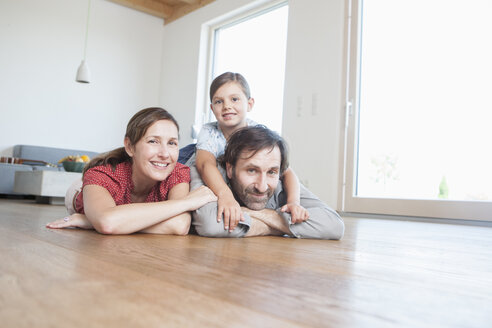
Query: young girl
x=230, y=101
x=139, y=187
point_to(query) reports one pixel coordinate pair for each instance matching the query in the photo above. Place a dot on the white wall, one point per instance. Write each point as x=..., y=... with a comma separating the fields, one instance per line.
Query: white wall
x=314, y=99
x=313, y=89
x=41, y=46
x=137, y=62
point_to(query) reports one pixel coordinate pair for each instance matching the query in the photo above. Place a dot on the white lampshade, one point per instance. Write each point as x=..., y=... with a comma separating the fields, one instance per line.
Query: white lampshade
x=83, y=73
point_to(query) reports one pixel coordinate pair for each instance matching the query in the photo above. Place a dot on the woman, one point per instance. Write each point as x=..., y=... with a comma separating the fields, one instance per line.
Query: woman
x=139, y=187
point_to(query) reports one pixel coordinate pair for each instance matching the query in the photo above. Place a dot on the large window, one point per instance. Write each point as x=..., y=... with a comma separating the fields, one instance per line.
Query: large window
x=254, y=45
x=419, y=133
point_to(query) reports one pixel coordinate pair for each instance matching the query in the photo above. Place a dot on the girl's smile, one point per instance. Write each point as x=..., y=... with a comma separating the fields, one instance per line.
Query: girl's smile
x=230, y=105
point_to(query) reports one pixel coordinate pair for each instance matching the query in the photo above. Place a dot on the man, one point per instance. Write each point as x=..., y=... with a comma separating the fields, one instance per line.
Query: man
x=254, y=160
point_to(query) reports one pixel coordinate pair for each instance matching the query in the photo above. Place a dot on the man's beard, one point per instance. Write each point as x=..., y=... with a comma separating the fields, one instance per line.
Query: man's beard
x=250, y=196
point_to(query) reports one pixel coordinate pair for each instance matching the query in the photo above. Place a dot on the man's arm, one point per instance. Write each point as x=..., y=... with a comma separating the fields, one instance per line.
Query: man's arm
x=323, y=222
x=266, y=222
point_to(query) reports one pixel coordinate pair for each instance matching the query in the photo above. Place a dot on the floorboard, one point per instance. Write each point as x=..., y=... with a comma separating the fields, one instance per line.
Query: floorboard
x=383, y=273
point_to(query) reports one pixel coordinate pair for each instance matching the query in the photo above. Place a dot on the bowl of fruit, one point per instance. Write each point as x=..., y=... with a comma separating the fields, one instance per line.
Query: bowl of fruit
x=74, y=163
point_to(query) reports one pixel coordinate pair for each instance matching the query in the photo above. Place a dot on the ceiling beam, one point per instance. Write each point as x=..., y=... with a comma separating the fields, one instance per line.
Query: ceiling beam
x=191, y=2
x=152, y=7
x=183, y=10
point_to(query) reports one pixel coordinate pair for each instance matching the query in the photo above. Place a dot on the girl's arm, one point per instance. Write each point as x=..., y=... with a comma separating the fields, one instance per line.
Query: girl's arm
x=293, y=190
x=206, y=165
x=107, y=218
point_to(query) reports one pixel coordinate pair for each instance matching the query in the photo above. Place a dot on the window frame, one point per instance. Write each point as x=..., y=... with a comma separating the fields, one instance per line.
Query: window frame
x=209, y=33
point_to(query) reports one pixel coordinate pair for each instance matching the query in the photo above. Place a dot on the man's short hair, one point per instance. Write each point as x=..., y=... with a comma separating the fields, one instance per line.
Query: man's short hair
x=253, y=139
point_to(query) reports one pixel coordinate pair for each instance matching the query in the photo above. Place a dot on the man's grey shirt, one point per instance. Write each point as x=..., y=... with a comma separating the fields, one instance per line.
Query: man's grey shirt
x=323, y=222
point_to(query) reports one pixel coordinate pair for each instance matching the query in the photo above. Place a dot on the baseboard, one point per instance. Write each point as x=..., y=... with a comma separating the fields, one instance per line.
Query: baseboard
x=417, y=219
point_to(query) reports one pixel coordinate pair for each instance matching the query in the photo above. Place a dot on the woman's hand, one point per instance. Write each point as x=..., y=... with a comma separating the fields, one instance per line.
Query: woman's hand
x=75, y=220
x=230, y=209
x=298, y=213
x=200, y=197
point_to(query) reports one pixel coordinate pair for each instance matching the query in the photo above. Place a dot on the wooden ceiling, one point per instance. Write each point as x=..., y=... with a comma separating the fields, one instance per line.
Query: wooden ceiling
x=169, y=10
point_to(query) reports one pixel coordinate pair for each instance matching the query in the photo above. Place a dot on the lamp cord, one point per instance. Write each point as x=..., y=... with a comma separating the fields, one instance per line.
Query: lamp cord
x=87, y=29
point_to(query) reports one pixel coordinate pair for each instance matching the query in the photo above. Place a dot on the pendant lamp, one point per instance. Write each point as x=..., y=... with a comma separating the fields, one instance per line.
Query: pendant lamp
x=83, y=73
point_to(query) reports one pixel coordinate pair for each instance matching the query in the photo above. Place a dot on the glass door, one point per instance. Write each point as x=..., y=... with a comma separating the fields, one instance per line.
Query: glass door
x=419, y=111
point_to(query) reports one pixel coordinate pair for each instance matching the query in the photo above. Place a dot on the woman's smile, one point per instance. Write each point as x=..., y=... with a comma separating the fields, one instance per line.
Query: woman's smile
x=160, y=164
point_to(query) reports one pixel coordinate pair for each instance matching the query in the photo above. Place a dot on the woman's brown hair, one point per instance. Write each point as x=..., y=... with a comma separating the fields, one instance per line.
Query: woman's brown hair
x=135, y=130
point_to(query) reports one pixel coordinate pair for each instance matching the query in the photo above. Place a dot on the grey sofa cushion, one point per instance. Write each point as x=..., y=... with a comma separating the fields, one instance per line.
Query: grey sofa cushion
x=47, y=154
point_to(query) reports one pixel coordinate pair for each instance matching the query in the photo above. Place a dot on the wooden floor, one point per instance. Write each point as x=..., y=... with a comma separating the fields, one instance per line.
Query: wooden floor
x=381, y=274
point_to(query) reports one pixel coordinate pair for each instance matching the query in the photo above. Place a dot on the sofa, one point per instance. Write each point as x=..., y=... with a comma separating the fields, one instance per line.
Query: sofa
x=35, y=153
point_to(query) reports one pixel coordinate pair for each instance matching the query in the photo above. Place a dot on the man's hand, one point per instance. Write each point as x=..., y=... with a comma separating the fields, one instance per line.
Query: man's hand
x=271, y=223
x=229, y=207
x=298, y=213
